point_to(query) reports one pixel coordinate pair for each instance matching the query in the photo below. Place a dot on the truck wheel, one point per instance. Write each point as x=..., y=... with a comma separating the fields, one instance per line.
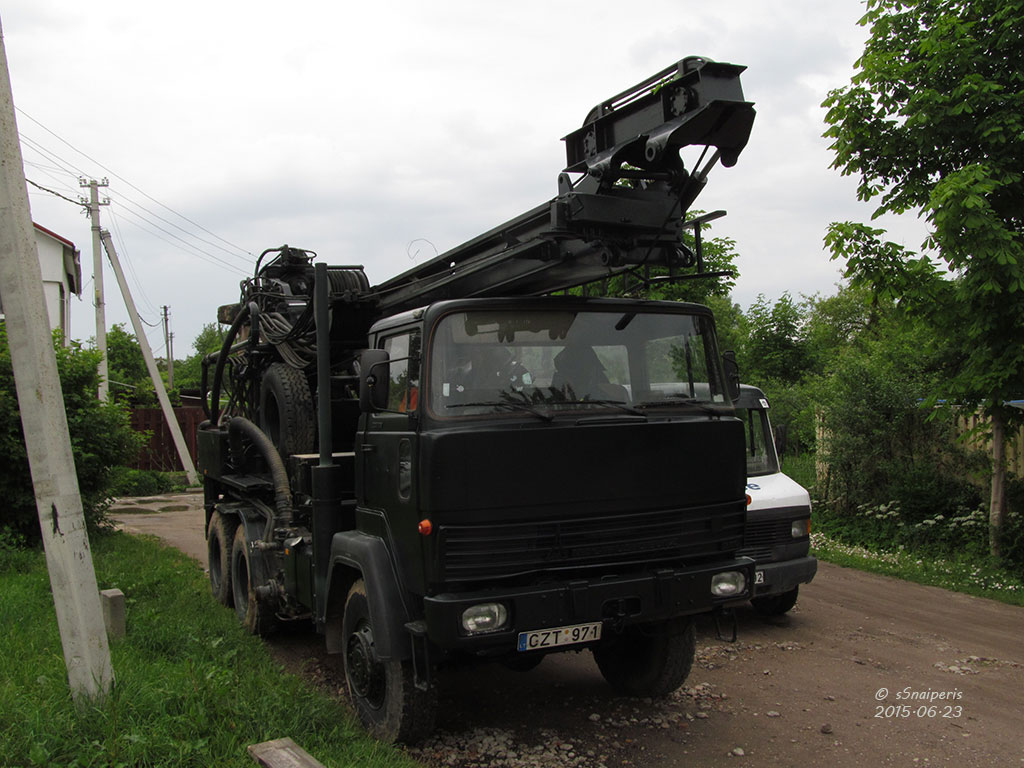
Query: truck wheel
x=256, y=618
x=648, y=660
x=384, y=694
x=219, y=538
x=775, y=605
x=286, y=410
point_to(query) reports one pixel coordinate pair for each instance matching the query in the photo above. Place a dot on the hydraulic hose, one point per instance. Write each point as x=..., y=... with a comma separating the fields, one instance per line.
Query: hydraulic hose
x=213, y=411
x=238, y=427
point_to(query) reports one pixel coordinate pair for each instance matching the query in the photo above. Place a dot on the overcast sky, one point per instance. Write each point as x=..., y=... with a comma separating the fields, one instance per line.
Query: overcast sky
x=376, y=135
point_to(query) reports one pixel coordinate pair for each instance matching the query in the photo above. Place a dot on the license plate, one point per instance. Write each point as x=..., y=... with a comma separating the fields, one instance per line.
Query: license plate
x=759, y=577
x=559, y=636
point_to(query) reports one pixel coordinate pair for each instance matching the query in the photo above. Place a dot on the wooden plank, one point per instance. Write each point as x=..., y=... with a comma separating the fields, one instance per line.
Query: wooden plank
x=282, y=753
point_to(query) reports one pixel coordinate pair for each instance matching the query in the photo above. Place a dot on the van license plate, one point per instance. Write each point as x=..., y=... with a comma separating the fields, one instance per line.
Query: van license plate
x=558, y=636
x=759, y=577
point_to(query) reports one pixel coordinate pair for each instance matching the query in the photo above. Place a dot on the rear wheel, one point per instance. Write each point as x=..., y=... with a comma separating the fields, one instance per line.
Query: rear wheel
x=384, y=693
x=648, y=659
x=776, y=605
x=255, y=617
x=219, y=539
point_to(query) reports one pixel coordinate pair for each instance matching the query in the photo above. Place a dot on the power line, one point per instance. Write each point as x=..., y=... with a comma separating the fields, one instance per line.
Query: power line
x=141, y=192
x=247, y=259
x=53, y=157
x=191, y=249
x=58, y=194
x=131, y=268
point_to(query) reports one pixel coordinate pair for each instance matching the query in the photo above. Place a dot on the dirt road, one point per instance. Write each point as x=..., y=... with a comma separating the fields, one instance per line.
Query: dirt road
x=865, y=671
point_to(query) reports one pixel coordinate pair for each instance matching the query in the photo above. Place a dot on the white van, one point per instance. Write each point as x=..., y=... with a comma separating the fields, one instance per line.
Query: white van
x=778, y=515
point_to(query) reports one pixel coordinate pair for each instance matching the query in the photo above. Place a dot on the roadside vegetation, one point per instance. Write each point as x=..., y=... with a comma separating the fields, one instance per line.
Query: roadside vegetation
x=192, y=688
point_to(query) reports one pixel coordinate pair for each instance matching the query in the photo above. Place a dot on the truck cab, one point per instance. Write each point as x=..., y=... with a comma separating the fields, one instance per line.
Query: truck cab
x=778, y=528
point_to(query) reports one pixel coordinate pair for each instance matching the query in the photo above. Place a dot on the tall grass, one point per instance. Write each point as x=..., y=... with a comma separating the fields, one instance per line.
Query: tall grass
x=192, y=688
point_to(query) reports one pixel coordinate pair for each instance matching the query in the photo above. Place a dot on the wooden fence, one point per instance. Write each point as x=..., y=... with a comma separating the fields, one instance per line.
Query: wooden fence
x=1014, y=445
x=159, y=453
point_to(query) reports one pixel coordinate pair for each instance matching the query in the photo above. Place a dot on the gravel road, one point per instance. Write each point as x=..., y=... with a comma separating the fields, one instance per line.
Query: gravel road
x=865, y=671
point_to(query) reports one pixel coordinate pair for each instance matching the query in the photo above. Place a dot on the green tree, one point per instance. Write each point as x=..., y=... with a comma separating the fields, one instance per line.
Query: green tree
x=776, y=349
x=187, y=374
x=101, y=438
x=879, y=444
x=126, y=368
x=933, y=123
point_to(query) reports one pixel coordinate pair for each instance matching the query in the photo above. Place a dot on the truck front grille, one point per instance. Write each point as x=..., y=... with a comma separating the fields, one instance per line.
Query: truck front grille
x=761, y=537
x=483, y=552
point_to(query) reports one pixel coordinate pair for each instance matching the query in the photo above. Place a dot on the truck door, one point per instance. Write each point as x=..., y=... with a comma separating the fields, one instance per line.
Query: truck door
x=388, y=448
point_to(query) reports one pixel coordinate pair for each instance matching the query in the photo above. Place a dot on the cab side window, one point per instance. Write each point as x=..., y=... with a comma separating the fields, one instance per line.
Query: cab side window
x=404, y=351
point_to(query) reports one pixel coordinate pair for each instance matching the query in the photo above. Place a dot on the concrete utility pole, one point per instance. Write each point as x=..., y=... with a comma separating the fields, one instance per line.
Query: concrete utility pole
x=147, y=355
x=97, y=278
x=168, y=345
x=72, y=579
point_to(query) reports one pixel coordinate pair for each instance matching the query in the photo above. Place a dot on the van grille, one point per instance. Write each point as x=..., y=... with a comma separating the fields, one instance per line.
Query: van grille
x=482, y=552
x=763, y=536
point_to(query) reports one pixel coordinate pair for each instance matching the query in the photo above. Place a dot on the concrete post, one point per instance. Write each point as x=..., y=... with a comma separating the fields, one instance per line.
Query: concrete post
x=75, y=594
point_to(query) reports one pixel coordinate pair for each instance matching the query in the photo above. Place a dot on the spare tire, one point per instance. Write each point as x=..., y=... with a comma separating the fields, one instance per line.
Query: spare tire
x=286, y=410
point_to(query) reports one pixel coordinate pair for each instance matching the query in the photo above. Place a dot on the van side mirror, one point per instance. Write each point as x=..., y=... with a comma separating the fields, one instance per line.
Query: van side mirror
x=732, y=374
x=374, y=377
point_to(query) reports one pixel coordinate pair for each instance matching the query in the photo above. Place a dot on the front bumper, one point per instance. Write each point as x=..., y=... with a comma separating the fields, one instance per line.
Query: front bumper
x=622, y=600
x=783, y=576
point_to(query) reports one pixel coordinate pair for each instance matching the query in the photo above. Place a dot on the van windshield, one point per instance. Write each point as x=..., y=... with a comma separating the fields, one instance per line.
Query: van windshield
x=508, y=362
x=761, y=456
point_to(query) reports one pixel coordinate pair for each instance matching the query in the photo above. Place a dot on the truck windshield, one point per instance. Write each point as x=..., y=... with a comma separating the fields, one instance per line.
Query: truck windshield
x=512, y=362
x=761, y=456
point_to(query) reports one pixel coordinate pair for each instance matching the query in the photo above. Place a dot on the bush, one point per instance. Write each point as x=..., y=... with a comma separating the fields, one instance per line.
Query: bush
x=145, y=482
x=101, y=438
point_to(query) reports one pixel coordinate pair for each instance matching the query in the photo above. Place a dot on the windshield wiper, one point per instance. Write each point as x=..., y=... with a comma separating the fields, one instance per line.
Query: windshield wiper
x=618, y=404
x=516, y=406
x=676, y=400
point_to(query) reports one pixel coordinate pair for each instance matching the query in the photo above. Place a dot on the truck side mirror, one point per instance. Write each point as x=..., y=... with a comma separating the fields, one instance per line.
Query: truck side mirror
x=732, y=374
x=374, y=377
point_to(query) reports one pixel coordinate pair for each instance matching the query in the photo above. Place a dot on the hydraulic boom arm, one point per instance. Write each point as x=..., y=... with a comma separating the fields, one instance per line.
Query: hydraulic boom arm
x=625, y=210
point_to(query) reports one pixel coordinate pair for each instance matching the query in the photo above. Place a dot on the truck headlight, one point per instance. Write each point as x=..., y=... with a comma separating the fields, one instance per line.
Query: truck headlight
x=728, y=583
x=485, y=617
x=800, y=528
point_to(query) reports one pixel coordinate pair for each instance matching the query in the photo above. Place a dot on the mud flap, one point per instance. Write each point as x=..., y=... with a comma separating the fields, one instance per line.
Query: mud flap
x=421, y=665
x=729, y=615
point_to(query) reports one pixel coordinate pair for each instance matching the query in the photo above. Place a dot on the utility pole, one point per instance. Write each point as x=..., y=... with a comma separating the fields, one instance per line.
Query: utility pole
x=93, y=206
x=168, y=339
x=147, y=355
x=76, y=597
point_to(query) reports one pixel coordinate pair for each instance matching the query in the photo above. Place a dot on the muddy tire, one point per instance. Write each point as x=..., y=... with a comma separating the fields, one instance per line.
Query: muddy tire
x=650, y=659
x=220, y=537
x=384, y=694
x=286, y=410
x=255, y=617
x=776, y=605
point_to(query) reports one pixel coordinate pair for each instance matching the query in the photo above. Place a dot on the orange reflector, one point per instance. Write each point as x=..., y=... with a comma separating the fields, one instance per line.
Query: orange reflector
x=748, y=499
x=425, y=527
